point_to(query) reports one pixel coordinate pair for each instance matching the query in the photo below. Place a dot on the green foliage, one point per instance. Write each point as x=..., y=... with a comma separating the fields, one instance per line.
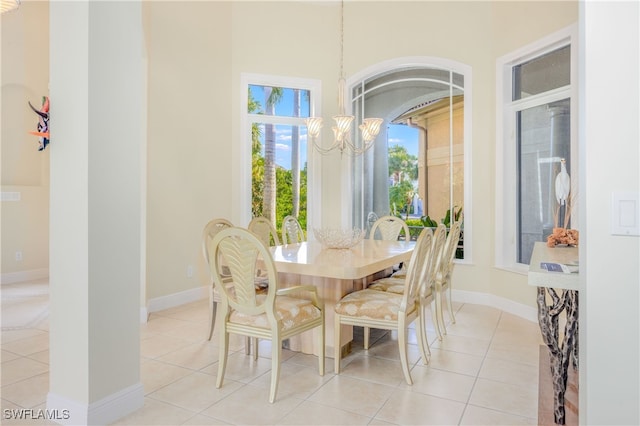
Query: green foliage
x=428, y=222
x=403, y=169
x=414, y=222
x=401, y=195
x=402, y=164
x=456, y=216
x=284, y=198
x=284, y=178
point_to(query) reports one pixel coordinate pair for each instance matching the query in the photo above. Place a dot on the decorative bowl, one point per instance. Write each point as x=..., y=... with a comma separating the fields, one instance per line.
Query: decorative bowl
x=338, y=238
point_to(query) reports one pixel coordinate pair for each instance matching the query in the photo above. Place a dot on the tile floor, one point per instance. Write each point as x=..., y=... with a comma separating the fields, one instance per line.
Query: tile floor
x=484, y=371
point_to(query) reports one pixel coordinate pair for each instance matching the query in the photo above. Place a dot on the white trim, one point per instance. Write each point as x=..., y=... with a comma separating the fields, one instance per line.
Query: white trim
x=505, y=168
x=314, y=181
x=143, y=188
x=20, y=276
x=105, y=411
x=423, y=62
x=144, y=315
x=505, y=305
x=176, y=299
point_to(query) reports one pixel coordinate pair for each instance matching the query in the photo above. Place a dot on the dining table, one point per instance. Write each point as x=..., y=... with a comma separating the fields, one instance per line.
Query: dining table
x=335, y=273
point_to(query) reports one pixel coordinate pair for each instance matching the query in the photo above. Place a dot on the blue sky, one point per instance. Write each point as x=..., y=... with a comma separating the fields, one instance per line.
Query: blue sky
x=396, y=134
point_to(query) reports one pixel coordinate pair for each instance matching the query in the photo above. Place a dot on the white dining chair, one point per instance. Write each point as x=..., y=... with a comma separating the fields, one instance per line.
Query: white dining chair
x=211, y=229
x=389, y=228
x=277, y=315
x=390, y=311
x=263, y=228
x=443, y=276
x=394, y=284
x=292, y=232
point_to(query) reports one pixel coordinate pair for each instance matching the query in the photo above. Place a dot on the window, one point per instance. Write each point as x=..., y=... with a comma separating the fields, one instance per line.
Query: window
x=274, y=148
x=538, y=132
x=428, y=101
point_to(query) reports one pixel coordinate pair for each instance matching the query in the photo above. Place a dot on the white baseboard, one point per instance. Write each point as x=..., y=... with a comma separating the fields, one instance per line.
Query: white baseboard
x=144, y=315
x=102, y=412
x=506, y=305
x=177, y=299
x=17, y=277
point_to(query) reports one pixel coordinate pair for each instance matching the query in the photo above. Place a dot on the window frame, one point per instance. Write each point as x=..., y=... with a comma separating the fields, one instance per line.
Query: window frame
x=506, y=238
x=314, y=182
x=421, y=62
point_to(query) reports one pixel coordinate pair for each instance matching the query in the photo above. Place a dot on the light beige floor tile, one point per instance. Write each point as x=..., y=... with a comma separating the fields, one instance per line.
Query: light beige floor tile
x=27, y=393
x=241, y=368
x=505, y=371
x=311, y=413
x=20, y=369
x=160, y=345
x=464, y=344
x=194, y=356
x=199, y=419
x=193, y=332
x=295, y=380
x=388, y=349
x=156, y=413
x=37, y=415
x=378, y=422
x=158, y=323
x=14, y=335
x=526, y=354
x=198, y=304
x=264, y=351
x=483, y=416
x=42, y=357
x=371, y=382
x=512, y=322
x=29, y=345
x=479, y=311
x=8, y=405
x=43, y=325
x=517, y=400
x=440, y=383
x=194, y=392
x=455, y=362
x=355, y=395
x=412, y=408
x=250, y=406
x=8, y=356
x=515, y=337
x=467, y=327
x=157, y=374
x=306, y=360
x=372, y=369
x=191, y=312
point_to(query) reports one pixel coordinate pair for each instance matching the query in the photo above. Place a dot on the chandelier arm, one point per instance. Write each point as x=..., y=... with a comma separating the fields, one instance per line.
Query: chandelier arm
x=324, y=151
x=353, y=150
x=369, y=128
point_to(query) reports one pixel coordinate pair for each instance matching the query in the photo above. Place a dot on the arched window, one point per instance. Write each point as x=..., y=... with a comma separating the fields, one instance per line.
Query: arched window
x=432, y=96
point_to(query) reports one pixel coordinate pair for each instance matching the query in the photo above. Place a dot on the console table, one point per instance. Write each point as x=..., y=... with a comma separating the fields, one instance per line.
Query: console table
x=549, y=284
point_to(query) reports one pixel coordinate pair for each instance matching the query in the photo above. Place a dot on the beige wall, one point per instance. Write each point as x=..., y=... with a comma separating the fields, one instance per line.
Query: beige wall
x=189, y=136
x=196, y=52
x=25, y=170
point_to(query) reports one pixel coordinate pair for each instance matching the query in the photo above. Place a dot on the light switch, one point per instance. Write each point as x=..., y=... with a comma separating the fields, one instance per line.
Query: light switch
x=626, y=213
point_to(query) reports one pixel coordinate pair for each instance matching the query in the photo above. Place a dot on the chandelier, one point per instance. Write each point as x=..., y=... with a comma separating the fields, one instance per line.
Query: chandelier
x=7, y=5
x=342, y=130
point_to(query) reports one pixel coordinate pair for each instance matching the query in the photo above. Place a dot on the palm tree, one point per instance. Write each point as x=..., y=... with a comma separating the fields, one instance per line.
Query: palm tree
x=272, y=95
